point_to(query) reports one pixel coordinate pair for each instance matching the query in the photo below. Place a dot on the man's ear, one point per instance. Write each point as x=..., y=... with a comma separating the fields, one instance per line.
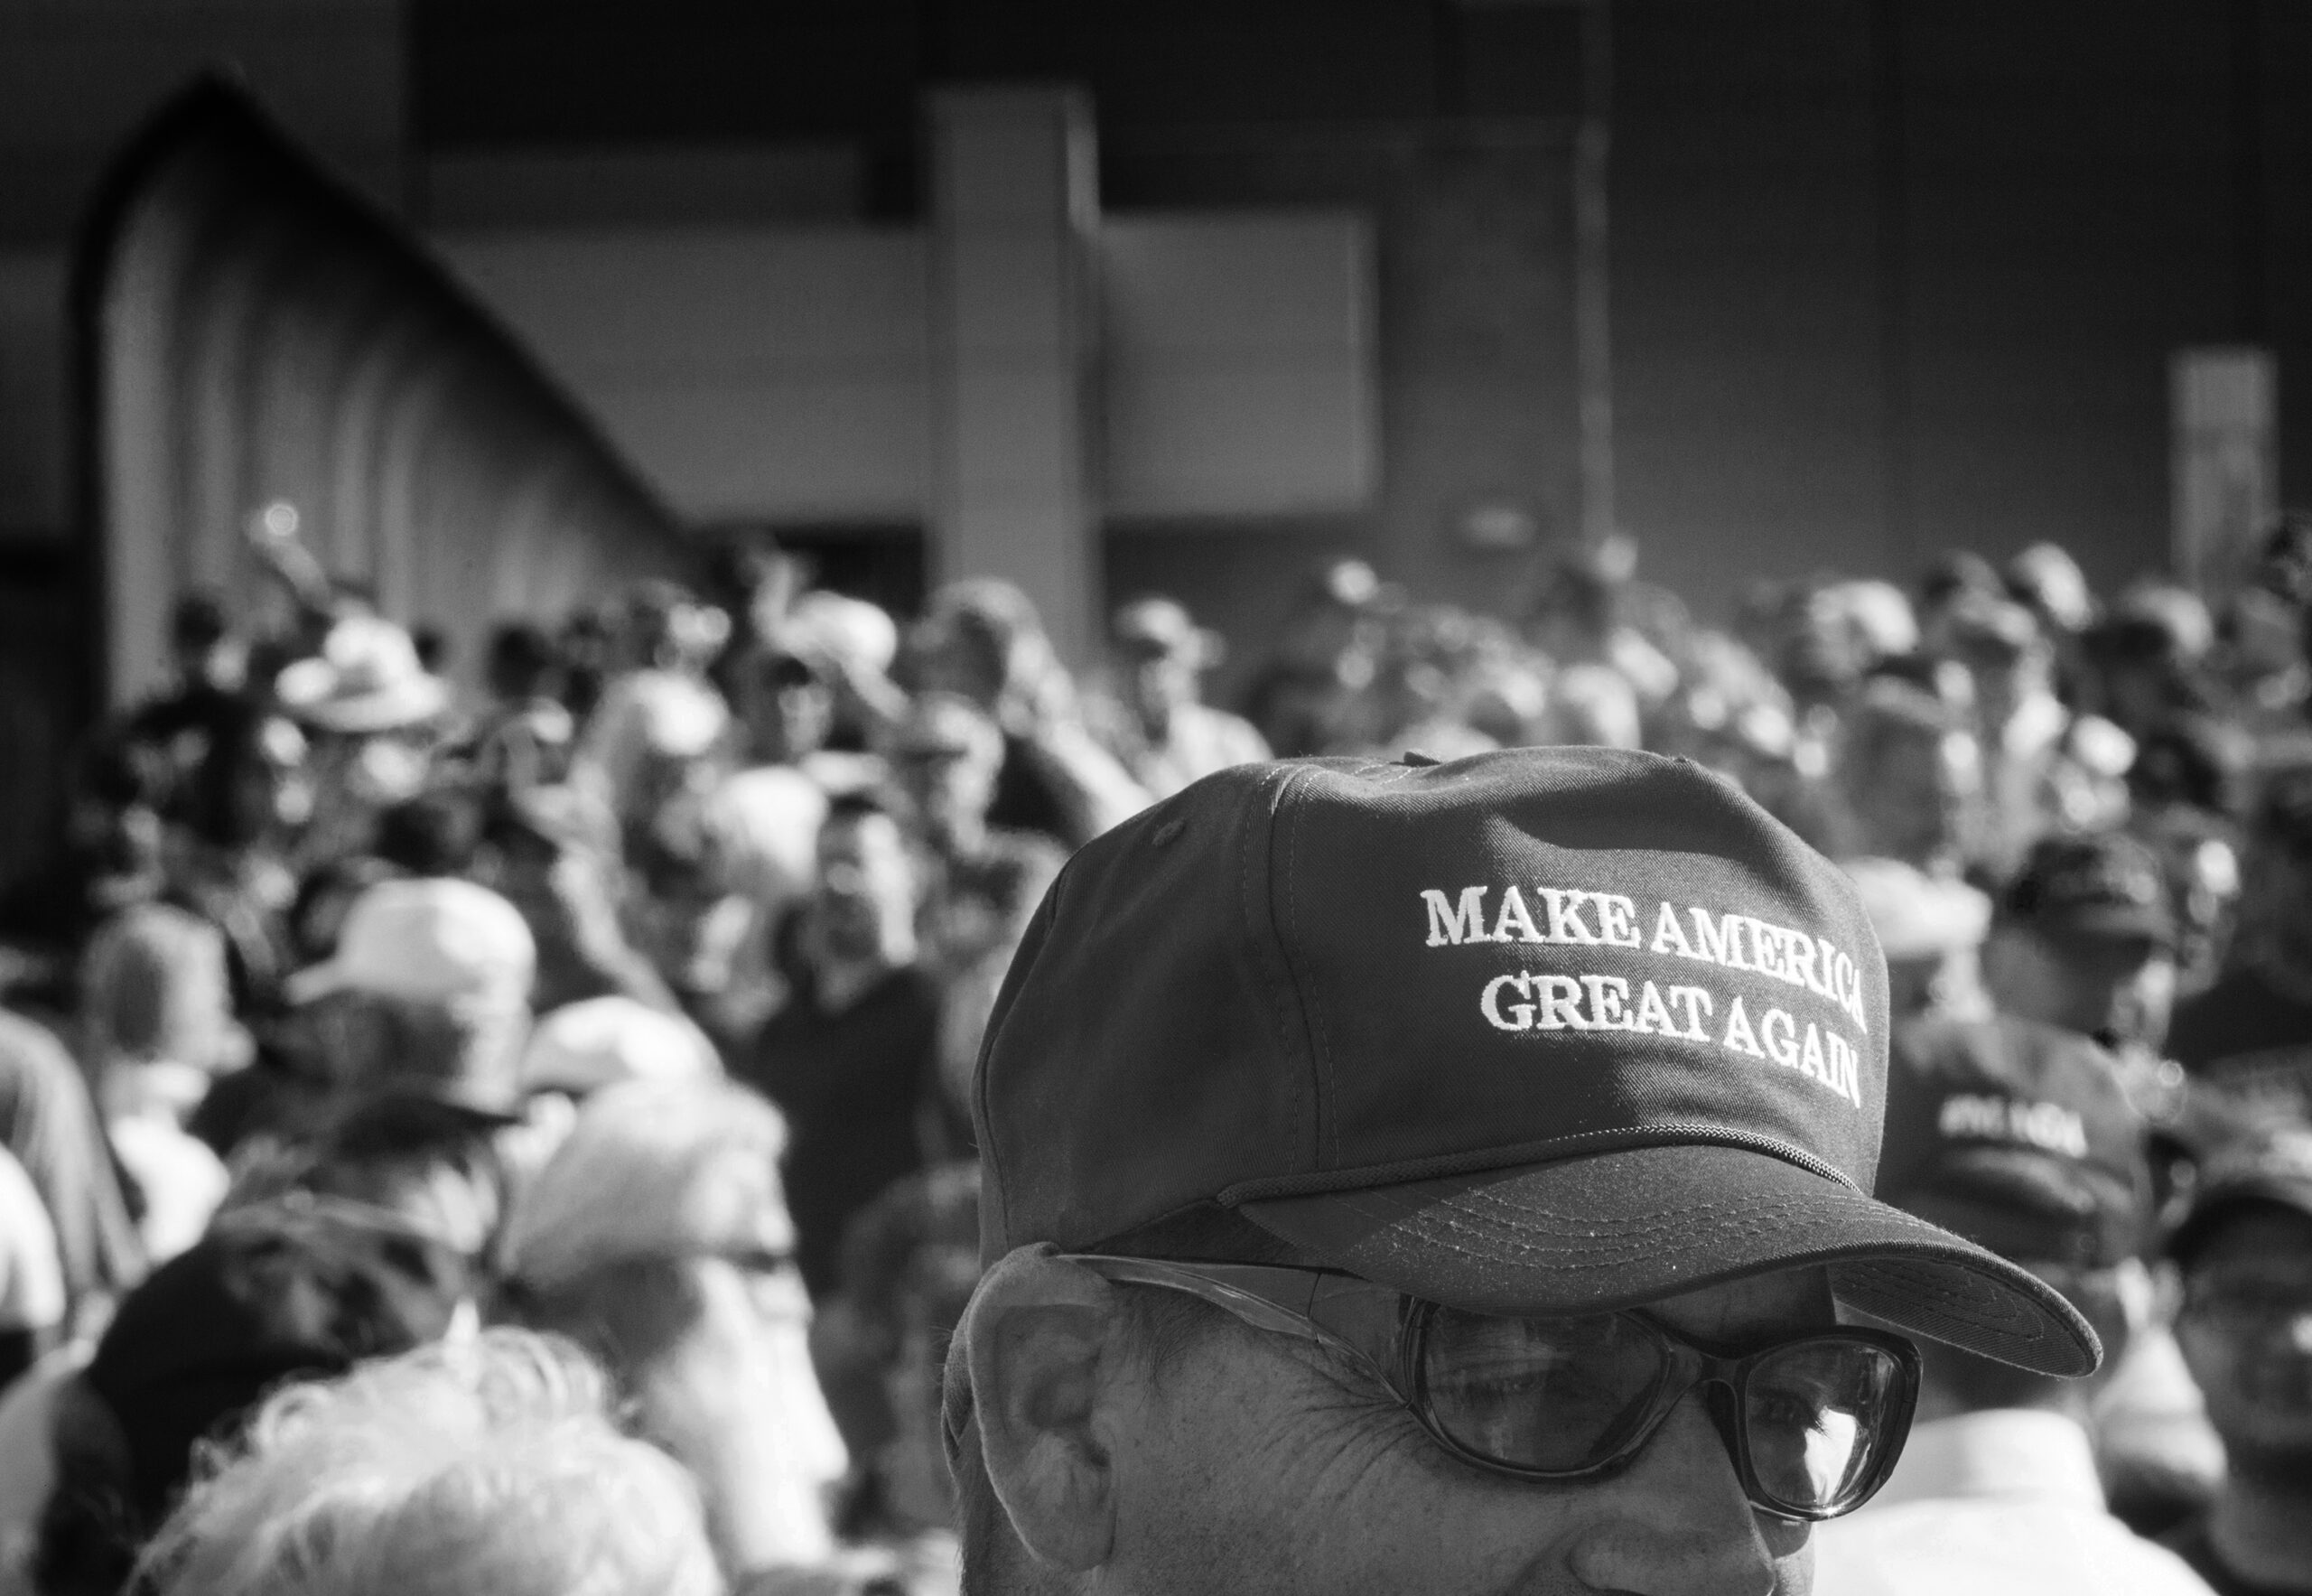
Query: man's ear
x=1043, y=1346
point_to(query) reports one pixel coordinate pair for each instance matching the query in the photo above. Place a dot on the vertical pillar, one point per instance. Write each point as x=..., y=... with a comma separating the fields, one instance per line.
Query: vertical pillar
x=2223, y=472
x=1014, y=206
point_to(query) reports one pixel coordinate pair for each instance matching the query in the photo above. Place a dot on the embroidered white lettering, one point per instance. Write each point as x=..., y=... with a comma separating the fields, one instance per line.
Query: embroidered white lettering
x=1559, y=998
x=1520, y=1016
x=1449, y=923
x=1514, y=918
x=1699, y=1004
x=1617, y=919
x=1608, y=997
x=1779, y=1033
x=1669, y=936
x=1565, y=916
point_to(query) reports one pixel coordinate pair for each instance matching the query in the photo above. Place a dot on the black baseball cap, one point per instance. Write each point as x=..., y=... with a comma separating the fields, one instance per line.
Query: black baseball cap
x=1558, y=1030
x=2269, y=1165
x=2019, y=1136
x=2105, y=885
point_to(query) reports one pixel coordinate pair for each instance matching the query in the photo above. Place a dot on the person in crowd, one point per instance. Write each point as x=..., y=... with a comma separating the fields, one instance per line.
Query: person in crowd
x=2043, y=768
x=1931, y=930
x=1304, y=699
x=492, y=1467
x=372, y=712
x=157, y=1029
x=1421, y=691
x=657, y=1236
x=427, y=994
x=1154, y=719
x=2016, y=1136
x=525, y=740
x=910, y=1263
x=2250, y=1033
x=979, y=882
x=850, y=1059
x=2084, y=938
x=983, y=640
x=556, y=857
x=48, y=1124
x=1911, y=775
x=2244, y=1248
x=177, y=728
x=2143, y=659
x=297, y=1287
x=1294, y=1284
x=2186, y=793
x=229, y=848
x=33, y=1301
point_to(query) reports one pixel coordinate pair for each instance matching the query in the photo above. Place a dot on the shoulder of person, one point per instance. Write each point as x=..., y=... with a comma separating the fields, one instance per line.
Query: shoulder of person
x=32, y=1274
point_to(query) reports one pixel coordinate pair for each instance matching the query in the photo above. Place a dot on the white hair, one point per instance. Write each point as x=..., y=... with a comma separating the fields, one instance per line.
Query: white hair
x=650, y=1169
x=487, y=1466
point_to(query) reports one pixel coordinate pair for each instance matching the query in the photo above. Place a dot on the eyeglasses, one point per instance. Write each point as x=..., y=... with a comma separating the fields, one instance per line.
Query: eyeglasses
x=1814, y=1424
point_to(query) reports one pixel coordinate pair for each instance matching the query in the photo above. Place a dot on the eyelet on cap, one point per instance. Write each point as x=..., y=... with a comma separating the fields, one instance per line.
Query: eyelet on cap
x=1165, y=834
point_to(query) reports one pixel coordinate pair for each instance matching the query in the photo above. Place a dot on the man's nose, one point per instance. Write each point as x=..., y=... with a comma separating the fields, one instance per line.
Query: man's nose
x=1679, y=1523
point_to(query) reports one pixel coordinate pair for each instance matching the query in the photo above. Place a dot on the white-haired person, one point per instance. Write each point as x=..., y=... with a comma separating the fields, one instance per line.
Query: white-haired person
x=658, y=1237
x=484, y=1465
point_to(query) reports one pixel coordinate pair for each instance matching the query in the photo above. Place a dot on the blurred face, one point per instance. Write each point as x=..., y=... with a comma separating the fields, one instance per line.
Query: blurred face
x=1161, y=680
x=2246, y=1332
x=864, y=906
x=949, y=659
x=1913, y=803
x=2117, y=989
x=787, y=709
x=951, y=791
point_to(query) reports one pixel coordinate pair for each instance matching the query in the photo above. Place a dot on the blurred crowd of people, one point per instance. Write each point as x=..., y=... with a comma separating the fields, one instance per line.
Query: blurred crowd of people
x=532, y=1130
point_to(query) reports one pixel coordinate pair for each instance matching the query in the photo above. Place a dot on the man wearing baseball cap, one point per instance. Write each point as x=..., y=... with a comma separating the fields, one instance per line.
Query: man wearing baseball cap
x=2018, y=1136
x=1445, y=1178
x=2084, y=937
x=2246, y=1251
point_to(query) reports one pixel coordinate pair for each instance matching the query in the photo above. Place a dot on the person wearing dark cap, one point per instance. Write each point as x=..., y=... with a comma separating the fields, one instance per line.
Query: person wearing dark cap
x=1445, y=1178
x=2249, y=1035
x=2245, y=1250
x=301, y=1286
x=2016, y=1136
x=1154, y=720
x=2084, y=938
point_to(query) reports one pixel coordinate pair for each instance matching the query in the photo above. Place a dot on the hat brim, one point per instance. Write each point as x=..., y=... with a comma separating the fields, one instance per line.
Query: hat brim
x=2115, y=922
x=1617, y=1230
x=386, y=709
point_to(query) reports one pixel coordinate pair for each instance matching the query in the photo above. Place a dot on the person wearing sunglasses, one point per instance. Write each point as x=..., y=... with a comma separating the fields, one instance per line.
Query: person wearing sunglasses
x=2020, y=1137
x=1449, y=1178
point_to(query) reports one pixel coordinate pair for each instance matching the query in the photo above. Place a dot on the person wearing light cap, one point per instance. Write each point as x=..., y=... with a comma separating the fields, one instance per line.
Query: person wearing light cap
x=2018, y=1136
x=1446, y=1178
x=1155, y=720
x=427, y=994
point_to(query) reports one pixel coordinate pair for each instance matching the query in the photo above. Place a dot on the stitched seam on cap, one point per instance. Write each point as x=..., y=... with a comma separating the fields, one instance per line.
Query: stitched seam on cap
x=1320, y=1039
x=1286, y=1051
x=1278, y=815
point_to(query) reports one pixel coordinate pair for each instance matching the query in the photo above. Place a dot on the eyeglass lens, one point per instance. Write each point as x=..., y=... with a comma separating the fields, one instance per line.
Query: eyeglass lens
x=1815, y=1416
x=1559, y=1396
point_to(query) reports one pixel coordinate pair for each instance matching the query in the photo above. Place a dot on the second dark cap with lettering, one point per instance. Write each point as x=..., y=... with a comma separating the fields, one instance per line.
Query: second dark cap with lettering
x=1549, y=1030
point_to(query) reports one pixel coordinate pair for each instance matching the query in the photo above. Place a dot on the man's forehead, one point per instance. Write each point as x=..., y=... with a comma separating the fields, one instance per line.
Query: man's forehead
x=1760, y=1307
